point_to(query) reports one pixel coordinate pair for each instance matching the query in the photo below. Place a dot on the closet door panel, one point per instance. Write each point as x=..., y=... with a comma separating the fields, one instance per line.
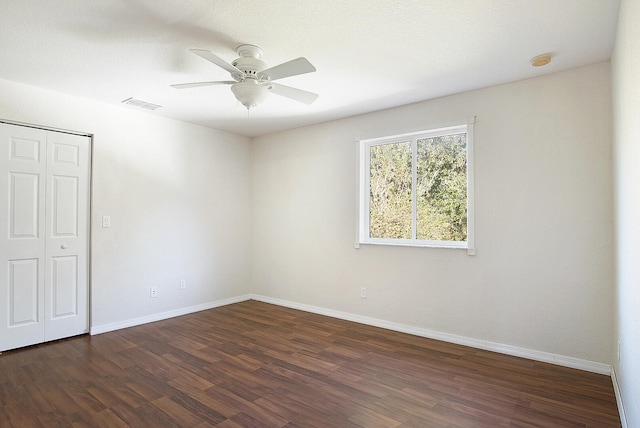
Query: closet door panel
x=23, y=301
x=22, y=240
x=24, y=204
x=67, y=200
x=64, y=287
x=64, y=215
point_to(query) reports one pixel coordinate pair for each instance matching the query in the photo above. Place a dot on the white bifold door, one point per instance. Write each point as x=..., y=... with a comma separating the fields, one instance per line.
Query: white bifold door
x=44, y=235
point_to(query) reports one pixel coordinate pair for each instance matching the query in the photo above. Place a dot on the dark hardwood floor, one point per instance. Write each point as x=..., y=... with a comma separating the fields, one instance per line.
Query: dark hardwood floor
x=253, y=364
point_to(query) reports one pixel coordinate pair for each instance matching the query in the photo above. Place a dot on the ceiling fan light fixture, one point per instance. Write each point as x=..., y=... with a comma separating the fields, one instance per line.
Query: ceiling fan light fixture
x=249, y=92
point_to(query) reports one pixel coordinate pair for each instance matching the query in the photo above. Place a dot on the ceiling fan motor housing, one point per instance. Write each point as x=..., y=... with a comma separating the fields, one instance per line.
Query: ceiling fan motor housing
x=249, y=62
x=249, y=66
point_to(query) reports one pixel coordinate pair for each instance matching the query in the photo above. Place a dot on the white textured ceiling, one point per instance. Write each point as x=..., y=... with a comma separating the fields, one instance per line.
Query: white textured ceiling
x=370, y=54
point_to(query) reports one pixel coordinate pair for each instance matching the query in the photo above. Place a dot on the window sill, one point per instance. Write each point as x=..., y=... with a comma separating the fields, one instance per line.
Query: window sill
x=470, y=251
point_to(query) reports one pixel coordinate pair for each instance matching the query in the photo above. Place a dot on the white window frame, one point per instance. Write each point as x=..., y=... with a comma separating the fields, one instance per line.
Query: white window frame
x=364, y=185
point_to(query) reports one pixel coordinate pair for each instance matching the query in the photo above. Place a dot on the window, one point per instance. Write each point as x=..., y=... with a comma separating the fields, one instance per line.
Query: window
x=417, y=189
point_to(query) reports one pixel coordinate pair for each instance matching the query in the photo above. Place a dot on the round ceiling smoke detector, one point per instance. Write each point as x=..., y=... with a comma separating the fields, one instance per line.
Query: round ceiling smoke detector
x=541, y=60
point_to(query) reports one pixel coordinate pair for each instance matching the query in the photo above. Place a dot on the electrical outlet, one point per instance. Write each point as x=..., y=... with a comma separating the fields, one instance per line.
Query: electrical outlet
x=183, y=284
x=153, y=292
x=363, y=293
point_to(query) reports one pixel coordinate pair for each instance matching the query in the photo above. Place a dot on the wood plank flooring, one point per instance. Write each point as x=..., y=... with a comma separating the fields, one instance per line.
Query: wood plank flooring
x=253, y=364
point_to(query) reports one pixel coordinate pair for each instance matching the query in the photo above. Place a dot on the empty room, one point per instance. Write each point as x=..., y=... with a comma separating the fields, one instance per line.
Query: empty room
x=320, y=214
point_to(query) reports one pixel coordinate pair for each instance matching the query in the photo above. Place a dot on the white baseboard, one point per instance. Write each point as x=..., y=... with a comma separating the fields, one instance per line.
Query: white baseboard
x=616, y=389
x=531, y=354
x=165, y=315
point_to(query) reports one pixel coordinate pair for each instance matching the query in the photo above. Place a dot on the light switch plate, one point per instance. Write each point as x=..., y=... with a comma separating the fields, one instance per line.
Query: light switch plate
x=106, y=221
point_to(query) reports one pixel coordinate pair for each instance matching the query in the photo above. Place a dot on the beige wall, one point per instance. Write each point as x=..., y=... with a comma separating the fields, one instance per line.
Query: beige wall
x=543, y=275
x=626, y=96
x=178, y=197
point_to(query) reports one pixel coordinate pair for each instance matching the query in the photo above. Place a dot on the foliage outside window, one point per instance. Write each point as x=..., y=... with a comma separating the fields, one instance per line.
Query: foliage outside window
x=417, y=189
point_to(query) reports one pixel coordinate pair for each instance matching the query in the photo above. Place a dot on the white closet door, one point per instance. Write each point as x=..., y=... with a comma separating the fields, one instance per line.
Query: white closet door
x=43, y=289
x=22, y=220
x=67, y=202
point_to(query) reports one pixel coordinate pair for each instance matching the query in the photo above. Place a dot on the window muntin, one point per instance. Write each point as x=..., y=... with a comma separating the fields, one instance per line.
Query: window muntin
x=417, y=189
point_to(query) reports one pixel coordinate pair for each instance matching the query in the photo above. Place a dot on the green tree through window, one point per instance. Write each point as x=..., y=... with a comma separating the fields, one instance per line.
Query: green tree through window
x=390, y=191
x=442, y=188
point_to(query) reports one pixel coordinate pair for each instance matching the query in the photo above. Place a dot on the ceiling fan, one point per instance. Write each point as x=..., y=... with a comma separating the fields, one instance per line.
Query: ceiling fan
x=252, y=80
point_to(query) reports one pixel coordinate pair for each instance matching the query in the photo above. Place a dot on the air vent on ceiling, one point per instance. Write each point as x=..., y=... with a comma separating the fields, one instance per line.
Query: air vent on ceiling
x=142, y=104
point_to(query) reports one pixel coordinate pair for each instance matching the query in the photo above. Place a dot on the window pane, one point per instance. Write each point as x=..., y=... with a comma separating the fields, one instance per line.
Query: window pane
x=442, y=188
x=390, y=191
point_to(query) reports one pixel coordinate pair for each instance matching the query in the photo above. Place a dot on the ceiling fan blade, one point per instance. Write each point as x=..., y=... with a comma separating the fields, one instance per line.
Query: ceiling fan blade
x=286, y=69
x=211, y=57
x=199, y=84
x=293, y=93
